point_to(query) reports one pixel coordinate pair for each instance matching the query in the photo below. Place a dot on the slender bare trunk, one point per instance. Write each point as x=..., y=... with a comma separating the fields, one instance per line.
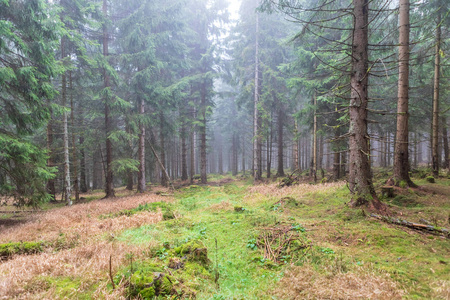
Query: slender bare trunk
x=164, y=174
x=51, y=182
x=184, y=171
x=74, y=147
x=401, y=154
x=67, y=185
x=446, y=163
x=83, y=179
x=435, y=121
x=269, y=152
x=141, y=150
x=203, y=160
x=256, y=134
x=109, y=188
x=314, y=141
x=280, y=170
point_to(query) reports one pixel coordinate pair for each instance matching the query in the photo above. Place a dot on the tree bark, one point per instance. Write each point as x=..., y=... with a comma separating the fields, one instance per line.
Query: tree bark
x=83, y=181
x=446, y=163
x=109, y=187
x=256, y=132
x=67, y=185
x=280, y=169
x=243, y=155
x=164, y=175
x=141, y=186
x=435, y=121
x=234, y=155
x=74, y=147
x=295, y=148
x=220, y=155
x=51, y=189
x=313, y=171
x=401, y=153
x=203, y=160
x=360, y=175
x=269, y=152
x=192, y=154
x=184, y=171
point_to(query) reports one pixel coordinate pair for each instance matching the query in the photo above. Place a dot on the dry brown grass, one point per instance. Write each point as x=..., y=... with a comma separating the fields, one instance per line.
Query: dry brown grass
x=441, y=289
x=89, y=240
x=80, y=218
x=306, y=283
x=260, y=193
x=222, y=206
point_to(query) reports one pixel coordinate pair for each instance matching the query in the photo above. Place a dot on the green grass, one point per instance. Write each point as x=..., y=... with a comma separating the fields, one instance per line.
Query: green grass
x=241, y=272
x=228, y=222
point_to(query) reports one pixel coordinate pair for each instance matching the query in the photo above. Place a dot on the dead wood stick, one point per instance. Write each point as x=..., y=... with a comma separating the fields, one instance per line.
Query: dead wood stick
x=110, y=272
x=417, y=226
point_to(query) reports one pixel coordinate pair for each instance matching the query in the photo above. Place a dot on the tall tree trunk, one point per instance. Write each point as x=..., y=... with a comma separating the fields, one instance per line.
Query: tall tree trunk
x=130, y=177
x=51, y=189
x=83, y=180
x=184, y=171
x=337, y=156
x=435, y=122
x=243, y=155
x=295, y=148
x=401, y=154
x=74, y=147
x=234, y=155
x=360, y=175
x=446, y=163
x=67, y=185
x=192, y=154
x=313, y=172
x=203, y=159
x=280, y=169
x=109, y=187
x=220, y=155
x=163, y=152
x=269, y=152
x=141, y=186
x=257, y=167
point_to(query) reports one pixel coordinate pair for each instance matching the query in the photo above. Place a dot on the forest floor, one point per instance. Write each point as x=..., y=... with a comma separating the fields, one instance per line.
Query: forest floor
x=228, y=240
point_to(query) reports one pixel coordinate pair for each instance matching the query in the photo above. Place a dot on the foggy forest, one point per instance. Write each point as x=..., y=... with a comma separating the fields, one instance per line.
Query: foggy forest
x=224, y=149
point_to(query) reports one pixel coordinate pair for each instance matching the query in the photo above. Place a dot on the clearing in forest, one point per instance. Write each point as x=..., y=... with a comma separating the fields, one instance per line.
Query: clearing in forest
x=229, y=241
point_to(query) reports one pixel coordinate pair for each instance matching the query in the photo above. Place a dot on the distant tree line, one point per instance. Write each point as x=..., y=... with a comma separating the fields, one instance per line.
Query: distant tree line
x=100, y=94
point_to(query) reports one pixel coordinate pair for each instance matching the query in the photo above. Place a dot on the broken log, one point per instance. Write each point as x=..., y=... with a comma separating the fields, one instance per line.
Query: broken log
x=417, y=226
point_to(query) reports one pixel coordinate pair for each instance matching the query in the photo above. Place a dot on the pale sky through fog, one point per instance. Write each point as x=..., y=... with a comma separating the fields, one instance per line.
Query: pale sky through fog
x=234, y=8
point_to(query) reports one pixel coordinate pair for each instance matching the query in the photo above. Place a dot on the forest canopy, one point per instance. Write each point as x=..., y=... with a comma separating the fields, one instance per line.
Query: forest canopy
x=102, y=94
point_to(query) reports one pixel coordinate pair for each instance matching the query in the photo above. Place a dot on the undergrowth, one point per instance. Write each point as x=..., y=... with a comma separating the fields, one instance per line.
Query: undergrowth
x=238, y=241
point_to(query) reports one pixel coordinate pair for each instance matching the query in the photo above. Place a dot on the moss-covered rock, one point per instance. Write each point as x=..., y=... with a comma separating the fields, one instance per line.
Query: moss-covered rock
x=430, y=179
x=149, y=285
x=194, y=250
x=152, y=278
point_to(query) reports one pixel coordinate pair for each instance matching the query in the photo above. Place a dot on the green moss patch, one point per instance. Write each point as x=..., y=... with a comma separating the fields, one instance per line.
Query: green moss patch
x=153, y=206
x=9, y=249
x=175, y=272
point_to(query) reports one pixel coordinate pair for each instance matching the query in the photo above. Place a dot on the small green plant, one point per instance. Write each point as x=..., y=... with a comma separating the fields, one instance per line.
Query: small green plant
x=430, y=179
x=298, y=228
x=252, y=244
x=326, y=250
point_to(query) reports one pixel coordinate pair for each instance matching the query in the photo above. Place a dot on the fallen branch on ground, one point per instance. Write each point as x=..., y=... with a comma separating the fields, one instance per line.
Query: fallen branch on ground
x=416, y=226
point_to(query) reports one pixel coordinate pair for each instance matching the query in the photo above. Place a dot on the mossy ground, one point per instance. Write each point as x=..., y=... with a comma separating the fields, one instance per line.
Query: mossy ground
x=334, y=242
